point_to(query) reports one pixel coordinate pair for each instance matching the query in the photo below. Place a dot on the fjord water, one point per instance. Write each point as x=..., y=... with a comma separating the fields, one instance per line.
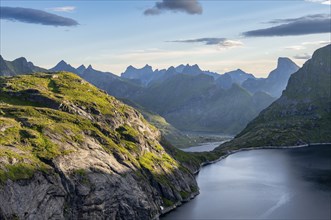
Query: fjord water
x=209, y=146
x=264, y=184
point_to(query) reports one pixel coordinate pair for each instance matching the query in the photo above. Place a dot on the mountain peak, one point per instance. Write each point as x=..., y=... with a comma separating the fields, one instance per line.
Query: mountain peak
x=81, y=69
x=171, y=69
x=192, y=70
x=63, y=62
x=147, y=66
x=63, y=66
x=130, y=68
x=309, y=86
x=180, y=68
x=285, y=62
x=21, y=59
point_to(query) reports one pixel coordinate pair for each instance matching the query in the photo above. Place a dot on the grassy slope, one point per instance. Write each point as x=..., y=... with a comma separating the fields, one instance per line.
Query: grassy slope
x=170, y=133
x=32, y=129
x=302, y=114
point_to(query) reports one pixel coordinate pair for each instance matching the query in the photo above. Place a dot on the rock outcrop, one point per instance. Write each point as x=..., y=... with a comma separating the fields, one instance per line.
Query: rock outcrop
x=70, y=151
x=302, y=115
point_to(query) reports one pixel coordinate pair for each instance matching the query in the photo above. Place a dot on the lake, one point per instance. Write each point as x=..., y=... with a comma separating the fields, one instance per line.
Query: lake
x=264, y=184
x=209, y=146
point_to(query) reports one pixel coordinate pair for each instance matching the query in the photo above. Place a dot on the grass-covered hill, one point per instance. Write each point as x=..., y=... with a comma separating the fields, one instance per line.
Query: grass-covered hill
x=302, y=115
x=69, y=150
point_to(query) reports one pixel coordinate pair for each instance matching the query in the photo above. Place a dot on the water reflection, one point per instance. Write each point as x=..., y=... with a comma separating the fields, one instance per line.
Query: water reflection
x=264, y=184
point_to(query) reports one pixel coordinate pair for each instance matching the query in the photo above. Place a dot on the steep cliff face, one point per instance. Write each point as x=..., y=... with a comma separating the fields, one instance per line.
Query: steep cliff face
x=302, y=114
x=70, y=151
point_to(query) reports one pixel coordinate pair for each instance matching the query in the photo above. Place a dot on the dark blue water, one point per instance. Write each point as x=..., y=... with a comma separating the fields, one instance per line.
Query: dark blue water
x=264, y=184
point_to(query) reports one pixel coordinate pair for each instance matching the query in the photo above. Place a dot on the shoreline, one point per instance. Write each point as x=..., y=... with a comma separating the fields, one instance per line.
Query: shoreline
x=255, y=148
x=193, y=195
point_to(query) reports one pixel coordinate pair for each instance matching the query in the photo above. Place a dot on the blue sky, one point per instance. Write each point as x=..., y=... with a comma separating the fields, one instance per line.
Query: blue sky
x=216, y=35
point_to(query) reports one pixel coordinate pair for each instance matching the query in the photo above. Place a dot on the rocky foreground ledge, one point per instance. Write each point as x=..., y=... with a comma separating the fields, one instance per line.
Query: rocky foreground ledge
x=70, y=151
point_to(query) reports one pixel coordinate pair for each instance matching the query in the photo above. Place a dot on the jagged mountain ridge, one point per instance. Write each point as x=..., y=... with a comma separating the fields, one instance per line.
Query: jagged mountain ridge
x=132, y=88
x=302, y=115
x=17, y=67
x=197, y=103
x=276, y=81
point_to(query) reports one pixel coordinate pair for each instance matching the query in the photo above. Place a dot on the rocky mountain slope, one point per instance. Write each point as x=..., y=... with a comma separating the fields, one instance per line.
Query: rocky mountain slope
x=169, y=132
x=17, y=67
x=302, y=115
x=189, y=98
x=70, y=151
x=197, y=103
x=276, y=81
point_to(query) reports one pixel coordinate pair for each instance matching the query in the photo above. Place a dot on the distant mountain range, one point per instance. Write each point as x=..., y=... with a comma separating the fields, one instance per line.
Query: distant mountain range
x=17, y=67
x=146, y=76
x=302, y=115
x=197, y=103
x=277, y=80
x=187, y=97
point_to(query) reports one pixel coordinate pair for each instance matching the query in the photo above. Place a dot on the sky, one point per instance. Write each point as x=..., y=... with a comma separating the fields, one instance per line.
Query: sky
x=218, y=35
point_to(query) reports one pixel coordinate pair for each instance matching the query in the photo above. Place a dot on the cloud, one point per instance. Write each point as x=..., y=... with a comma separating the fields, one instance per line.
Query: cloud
x=63, y=9
x=187, y=6
x=316, y=43
x=311, y=24
x=207, y=41
x=28, y=15
x=230, y=44
x=304, y=56
x=295, y=47
x=307, y=17
x=323, y=2
x=221, y=42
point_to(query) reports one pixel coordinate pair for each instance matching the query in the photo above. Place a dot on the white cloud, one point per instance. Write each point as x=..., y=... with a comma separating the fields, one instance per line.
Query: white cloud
x=295, y=47
x=323, y=2
x=220, y=42
x=231, y=44
x=63, y=9
x=303, y=45
x=316, y=43
x=304, y=56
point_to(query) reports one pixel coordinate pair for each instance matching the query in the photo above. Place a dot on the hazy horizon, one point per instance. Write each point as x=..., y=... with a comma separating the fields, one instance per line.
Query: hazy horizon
x=219, y=36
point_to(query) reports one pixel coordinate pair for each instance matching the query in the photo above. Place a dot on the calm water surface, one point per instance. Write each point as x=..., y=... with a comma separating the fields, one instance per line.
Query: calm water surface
x=204, y=147
x=264, y=184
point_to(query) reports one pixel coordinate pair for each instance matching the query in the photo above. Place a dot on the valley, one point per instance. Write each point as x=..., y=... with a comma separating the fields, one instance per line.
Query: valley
x=165, y=110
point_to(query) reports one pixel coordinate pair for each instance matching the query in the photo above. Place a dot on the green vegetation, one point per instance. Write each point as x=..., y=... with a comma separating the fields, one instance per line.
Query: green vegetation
x=184, y=194
x=128, y=133
x=32, y=126
x=196, y=103
x=17, y=171
x=167, y=202
x=192, y=161
x=300, y=116
x=49, y=115
x=172, y=134
x=82, y=175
